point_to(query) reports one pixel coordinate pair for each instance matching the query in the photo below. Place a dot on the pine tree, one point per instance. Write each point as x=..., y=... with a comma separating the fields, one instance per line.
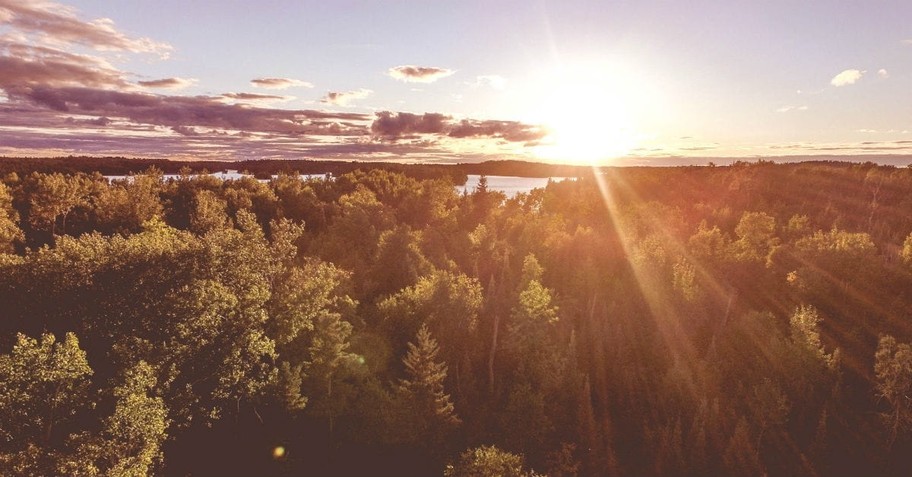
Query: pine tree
x=425, y=380
x=893, y=367
x=741, y=456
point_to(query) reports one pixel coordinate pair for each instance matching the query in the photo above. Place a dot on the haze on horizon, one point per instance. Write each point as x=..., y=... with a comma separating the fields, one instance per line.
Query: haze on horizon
x=447, y=81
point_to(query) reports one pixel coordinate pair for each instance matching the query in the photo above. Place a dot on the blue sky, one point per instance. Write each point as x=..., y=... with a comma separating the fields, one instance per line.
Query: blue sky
x=570, y=81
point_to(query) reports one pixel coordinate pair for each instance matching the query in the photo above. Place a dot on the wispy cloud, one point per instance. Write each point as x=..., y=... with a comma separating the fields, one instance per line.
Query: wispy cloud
x=419, y=74
x=256, y=97
x=170, y=111
x=62, y=92
x=493, y=81
x=56, y=23
x=883, y=73
x=279, y=83
x=881, y=131
x=786, y=109
x=342, y=98
x=847, y=77
x=168, y=83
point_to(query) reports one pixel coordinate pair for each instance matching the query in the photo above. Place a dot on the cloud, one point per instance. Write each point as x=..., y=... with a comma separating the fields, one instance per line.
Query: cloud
x=343, y=98
x=493, y=81
x=907, y=42
x=256, y=97
x=876, y=131
x=19, y=73
x=202, y=111
x=60, y=92
x=393, y=126
x=59, y=23
x=186, y=131
x=419, y=74
x=786, y=109
x=279, y=83
x=168, y=83
x=508, y=130
x=396, y=126
x=892, y=147
x=883, y=73
x=847, y=77
x=100, y=121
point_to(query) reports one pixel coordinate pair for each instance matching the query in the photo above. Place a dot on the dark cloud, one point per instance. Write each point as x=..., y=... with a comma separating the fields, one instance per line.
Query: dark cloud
x=419, y=74
x=173, y=111
x=512, y=131
x=18, y=73
x=55, y=98
x=279, y=83
x=392, y=127
x=168, y=83
x=100, y=121
x=185, y=131
x=59, y=23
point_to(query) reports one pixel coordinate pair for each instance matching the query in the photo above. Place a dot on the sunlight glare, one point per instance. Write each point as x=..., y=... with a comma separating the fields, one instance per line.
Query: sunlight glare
x=589, y=115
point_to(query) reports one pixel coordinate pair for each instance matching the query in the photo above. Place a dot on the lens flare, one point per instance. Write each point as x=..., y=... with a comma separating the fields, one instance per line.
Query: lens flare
x=278, y=452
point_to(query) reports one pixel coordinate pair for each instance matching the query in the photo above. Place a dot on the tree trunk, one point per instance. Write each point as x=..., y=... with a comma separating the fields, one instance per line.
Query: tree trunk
x=493, y=352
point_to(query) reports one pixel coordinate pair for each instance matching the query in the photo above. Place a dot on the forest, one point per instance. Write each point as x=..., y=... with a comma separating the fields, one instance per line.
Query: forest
x=752, y=319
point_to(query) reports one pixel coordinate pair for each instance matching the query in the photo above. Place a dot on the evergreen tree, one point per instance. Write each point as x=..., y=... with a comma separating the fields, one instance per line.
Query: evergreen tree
x=893, y=369
x=424, y=384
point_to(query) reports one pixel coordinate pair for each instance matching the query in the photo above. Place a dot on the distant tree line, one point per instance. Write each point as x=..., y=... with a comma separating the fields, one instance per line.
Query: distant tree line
x=753, y=319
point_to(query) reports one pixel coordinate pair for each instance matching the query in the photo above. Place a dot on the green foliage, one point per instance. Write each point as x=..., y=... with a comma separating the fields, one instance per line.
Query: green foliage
x=707, y=243
x=805, y=325
x=10, y=234
x=756, y=237
x=398, y=264
x=893, y=368
x=449, y=303
x=125, y=205
x=209, y=213
x=741, y=457
x=598, y=329
x=43, y=384
x=684, y=280
x=488, y=461
x=906, y=252
x=54, y=198
x=432, y=416
x=130, y=443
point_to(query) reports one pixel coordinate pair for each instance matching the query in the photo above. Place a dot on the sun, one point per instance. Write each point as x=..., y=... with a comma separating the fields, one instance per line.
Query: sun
x=587, y=112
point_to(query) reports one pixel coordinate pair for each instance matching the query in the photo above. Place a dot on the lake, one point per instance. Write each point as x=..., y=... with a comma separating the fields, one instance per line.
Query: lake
x=509, y=185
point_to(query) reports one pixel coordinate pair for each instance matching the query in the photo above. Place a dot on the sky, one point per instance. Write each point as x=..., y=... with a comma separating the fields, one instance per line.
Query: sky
x=606, y=82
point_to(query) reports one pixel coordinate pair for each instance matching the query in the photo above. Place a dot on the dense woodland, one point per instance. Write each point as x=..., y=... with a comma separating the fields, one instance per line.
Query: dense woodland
x=753, y=319
x=265, y=169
